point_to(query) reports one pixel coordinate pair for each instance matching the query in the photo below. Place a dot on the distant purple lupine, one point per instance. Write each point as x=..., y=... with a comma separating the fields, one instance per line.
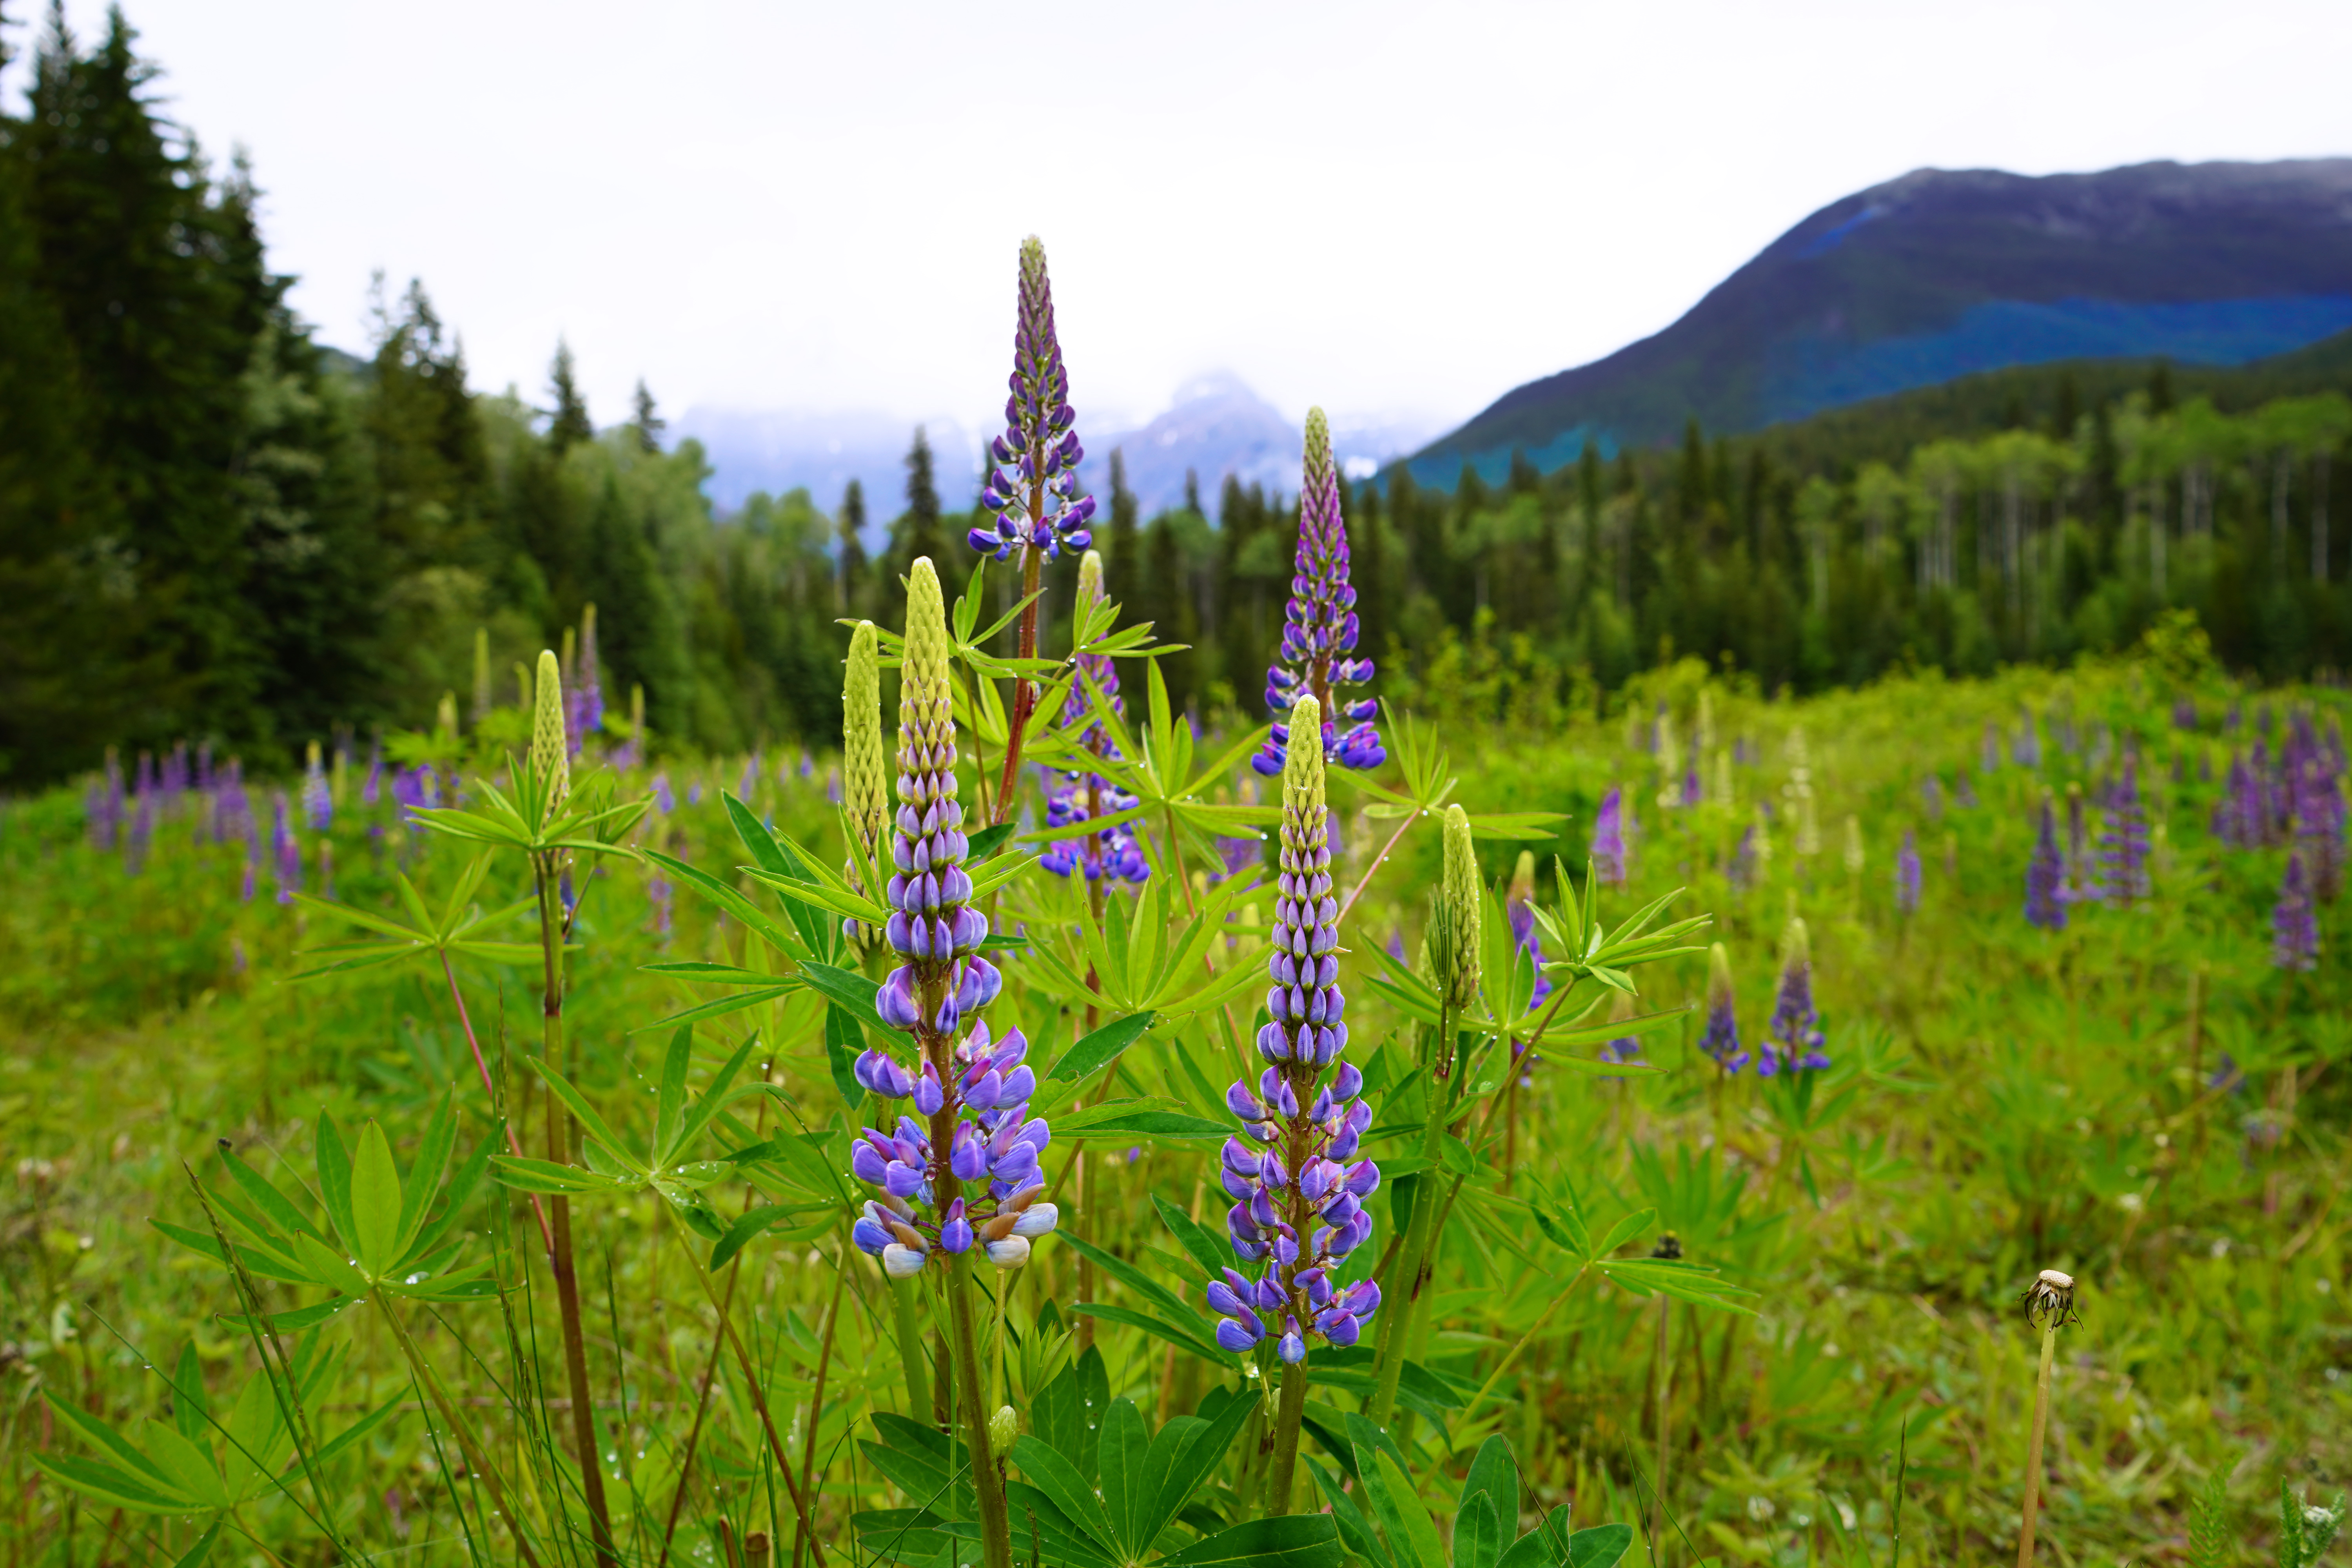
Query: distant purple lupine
x=2026, y=750
x=1721, y=1040
x=2184, y=711
x=1931, y=796
x=286, y=850
x=372, y=791
x=2123, y=847
x=748, y=785
x=317, y=800
x=141, y=834
x=2295, y=924
x=1794, y=1037
x=1317, y=655
x=1609, y=838
x=1965, y=792
x=1741, y=872
x=583, y=697
x=666, y=799
x=415, y=789
x=1520, y=906
x=1907, y=875
x=2045, y=876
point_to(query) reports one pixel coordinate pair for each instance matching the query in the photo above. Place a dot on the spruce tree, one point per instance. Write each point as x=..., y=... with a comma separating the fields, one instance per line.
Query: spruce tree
x=918, y=530
x=1122, y=564
x=645, y=420
x=567, y=422
x=849, y=563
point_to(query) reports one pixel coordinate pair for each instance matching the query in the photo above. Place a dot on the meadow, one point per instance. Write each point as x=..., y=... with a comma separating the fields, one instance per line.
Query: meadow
x=1835, y=1367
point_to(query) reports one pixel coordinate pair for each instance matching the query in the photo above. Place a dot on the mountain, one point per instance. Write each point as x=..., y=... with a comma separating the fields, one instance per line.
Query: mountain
x=1214, y=426
x=752, y=450
x=1945, y=273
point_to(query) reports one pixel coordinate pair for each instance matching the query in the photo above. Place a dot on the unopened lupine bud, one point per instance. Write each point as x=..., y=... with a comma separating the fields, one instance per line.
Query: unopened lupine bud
x=551, y=757
x=1465, y=907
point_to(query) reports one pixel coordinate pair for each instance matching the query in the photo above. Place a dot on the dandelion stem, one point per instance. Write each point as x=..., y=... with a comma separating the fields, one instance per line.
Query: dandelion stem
x=2033, y=1446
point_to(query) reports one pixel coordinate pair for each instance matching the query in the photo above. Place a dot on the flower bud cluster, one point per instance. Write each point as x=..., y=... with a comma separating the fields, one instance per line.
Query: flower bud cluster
x=972, y=1088
x=1319, y=630
x=1034, y=466
x=1298, y=1191
x=1794, y=1038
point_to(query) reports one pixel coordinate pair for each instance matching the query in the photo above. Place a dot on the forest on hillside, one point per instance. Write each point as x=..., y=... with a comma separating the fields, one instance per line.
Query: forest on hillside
x=212, y=527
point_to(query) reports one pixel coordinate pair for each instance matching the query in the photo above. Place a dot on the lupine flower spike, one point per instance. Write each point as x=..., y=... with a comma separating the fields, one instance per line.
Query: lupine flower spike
x=1520, y=906
x=1795, y=1038
x=1319, y=636
x=1083, y=796
x=2294, y=926
x=1297, y=1201
x=2045, y=876
x=1722, y=1038
x=1907, y=875
x=1609, y=839
x=968, y=1084
x=551, y=753
x=318, y=802
x=2123, y=848
x=1034, y=466
x=866, y=783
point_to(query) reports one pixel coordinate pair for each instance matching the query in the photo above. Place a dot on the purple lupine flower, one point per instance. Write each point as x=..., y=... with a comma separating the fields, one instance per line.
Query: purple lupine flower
x=663, y=898
x=2184, y=711
x=1907, y=875
x=415, y=789
x=583, y=697
x=1965, y=792
x=2123, y=847
x=2045, y=876
x=1084, y=797
x=1741, y=872
x=234, y=811
x=693, y=793
x=808, y=763
x=141, y=834
x=833, y=786
x=1299, y=1203
x=748, y=785
x=1609, y=838
x=1318, y=656
x=1520, y=906
x=2294, y=925
x=971, y=1087
x=1034, y=466
x=371, y=792
x=1931, y=796
x=2319, y=822
x=1794, y=1038
x=2026, y=750
x=665, y=798
x=286, y=850
x=174, y=779
x=1721, y=1040
x=317, y=800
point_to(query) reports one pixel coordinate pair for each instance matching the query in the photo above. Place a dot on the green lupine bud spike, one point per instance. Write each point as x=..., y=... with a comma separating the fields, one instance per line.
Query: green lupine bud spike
x=1302, y=772
x=1465, y=907
x=926, y=701
x=1523, y=878
x=1318, y=444
x=1796, y=943
x=551, y=753
x=865, y=775
x=1090, y=580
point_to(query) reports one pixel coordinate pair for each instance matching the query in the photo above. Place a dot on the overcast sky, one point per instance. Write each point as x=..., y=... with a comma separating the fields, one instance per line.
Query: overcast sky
x=1380, y=208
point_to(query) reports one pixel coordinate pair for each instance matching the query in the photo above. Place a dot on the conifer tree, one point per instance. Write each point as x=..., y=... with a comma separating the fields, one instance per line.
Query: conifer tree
x=849, y=563
x=1122, y=564
x=645, y=420
x=568, y=423
x=918, y=530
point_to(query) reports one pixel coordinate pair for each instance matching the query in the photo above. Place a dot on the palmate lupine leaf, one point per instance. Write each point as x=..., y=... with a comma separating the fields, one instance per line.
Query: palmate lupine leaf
x=1428, y=782
x=1146, y=959
x=423, y=934
x=378, y=1235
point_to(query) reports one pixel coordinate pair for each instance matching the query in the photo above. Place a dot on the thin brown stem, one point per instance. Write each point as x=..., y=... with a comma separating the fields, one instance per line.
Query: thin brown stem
x=506, y=1124
x=817, y=1399
x=1371, y=870
x=1024, y=690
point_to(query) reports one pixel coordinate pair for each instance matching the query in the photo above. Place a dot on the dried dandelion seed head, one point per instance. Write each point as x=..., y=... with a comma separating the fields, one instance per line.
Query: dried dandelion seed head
x=2050, y=1300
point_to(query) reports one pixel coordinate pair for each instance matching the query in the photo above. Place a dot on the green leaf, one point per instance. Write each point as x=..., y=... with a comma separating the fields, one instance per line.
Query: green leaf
x=589, y=1122
x=1198, y=1243
x=1494, y=1476
x=980, y=845
x=780, y=986
x=1599, y=1547
x=1286, y=1541
x=848, y=990
x=1626, y=1230
x=265, y=1196
x=1099, y=1049
x=1182, y=1339
x=334, y=1176
x=375, y=1203
x=517, y=1173
x=1355, y=1530
x=842, y=1044
x=424, y=1175
x=358, y=1432
x=196, y=1556
x=1125, y=1478
x=1478, y=1536
x=114, y=1486
x=1197, y=1452
x=1406, y=1523
x=1131, y=1119
x=1063, y=1484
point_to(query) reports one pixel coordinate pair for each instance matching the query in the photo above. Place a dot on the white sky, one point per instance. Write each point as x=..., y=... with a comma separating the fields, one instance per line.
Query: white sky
x=1380, y=208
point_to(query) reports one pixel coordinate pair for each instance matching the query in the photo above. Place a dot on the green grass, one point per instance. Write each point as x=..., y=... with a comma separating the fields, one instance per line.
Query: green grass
x=2002, y=1101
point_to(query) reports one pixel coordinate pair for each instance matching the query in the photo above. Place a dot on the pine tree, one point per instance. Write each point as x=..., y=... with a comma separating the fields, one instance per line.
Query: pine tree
x=155, y=277
x=917, y=532
x=1192, y=493
x=646, y=421
x=638, y=636
x=850, y=559
x=568, y=423
x=1168, y=593
x=1122, y=564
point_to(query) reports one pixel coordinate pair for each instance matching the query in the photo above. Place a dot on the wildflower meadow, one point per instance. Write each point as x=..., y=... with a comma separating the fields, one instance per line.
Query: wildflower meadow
x=1041, y=1123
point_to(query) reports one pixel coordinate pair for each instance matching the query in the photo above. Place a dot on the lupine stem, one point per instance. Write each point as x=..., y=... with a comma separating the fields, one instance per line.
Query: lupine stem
x=987, y=1481
x=1412, y=1260
x=560, y=1134
x=1289, y=1417
x=1024, y=690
